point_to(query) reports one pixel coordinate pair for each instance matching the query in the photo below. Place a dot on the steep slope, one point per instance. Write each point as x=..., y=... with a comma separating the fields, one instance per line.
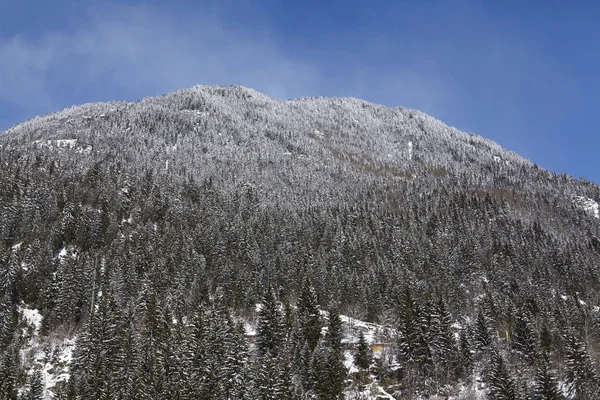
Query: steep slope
x=146, y=229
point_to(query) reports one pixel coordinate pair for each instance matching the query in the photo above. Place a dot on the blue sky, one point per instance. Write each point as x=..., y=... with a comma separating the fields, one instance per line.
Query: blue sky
x=523, y=73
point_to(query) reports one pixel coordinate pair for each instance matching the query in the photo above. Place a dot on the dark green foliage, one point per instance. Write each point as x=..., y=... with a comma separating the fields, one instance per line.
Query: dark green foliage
x=582, y=378
x=523, y=339
x=481, y=335
x=100, y=353
x=262, y=194
x=270, y=329
x=501, y=384
x=546, y=385
x=8, y=375
x=442, y=342
x=309, y=319
x=465, y=356
x=413, y=347
x=35, y=389
x=363, y=355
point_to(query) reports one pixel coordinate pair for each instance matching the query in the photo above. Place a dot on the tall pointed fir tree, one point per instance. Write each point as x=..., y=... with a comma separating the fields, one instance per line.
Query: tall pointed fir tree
x=236, y=368
x=363, y=355
x=308, y=332
x=8, y=375
x=444, y=347
x=413, y=349
x=309, y=318
x=465, y=353
x=329, y=369
x=582, y=379
x=546, y=385
x=501, y=385
x=481, y=335
x=98, y=356
x=35, y=389
x=523, y=339
x=270, y=329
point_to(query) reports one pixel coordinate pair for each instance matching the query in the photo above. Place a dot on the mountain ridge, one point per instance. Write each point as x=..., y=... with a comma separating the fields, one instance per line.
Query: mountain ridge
x=142, y=233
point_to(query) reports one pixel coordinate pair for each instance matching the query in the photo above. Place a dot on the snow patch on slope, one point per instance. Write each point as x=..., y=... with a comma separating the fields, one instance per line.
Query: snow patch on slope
x=50, y=355
x=63, y=144
x=588, y=205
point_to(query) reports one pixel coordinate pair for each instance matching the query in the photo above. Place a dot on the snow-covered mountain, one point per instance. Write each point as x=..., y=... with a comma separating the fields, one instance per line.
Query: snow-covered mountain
x=135, y=237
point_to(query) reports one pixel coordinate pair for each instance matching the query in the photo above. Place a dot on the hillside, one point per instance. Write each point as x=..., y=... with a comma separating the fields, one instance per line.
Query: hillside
x=137, y=238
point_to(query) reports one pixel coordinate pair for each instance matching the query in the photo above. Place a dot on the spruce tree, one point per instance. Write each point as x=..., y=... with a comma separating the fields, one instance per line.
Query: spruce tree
x=546, y=385
x=35, y=390
x=523, y=340
x=328, y=364
x=582, y=379
x=363, y=355
x=309, y=319
x=465, y=356
x=237, y=376
x=481, y=335
x=270, y=329
x=8, y=375
x=267, y=383
x=501, y=385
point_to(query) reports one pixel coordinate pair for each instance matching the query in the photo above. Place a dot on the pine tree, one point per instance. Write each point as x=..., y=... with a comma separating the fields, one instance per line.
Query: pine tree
x=99, y=356
x=8, y=375
x=363, y=356
x=501, y=385
x=267, y=382
x=582, y=379
x=328, y=364
x=481, y=336
x=270, y=327
x=465, y=356
x=413, y=347
x=309, y=319
x=35, y=391
x=546, y=385
x=442, y=340
x=523, y=340
x=237, y=377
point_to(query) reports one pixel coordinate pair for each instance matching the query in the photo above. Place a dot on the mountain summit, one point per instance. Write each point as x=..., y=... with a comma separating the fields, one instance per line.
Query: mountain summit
x=203, y=244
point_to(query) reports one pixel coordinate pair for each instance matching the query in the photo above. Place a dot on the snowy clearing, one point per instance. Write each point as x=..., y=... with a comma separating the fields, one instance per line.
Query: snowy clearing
x=588, y=205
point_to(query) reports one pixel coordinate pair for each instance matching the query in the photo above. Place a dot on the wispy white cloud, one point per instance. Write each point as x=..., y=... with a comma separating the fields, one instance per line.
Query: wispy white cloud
x=136, y=49
x=126, y=52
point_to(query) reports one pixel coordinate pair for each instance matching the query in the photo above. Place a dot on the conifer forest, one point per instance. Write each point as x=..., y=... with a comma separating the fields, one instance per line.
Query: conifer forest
x=216, y=244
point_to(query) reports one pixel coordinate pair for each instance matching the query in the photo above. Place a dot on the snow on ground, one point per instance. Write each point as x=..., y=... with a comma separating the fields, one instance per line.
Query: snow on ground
x=69, y=251
x=371, y=392
x=373, y=333
x=33, y=318
x=588, y=205
x=52, y=356
x=61, y=144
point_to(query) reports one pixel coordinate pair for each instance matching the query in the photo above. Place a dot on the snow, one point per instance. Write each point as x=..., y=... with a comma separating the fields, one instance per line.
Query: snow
x=68, y=251
x=32, y=317
x=410, y=151
x=588, y=205
x=372, y=332
x=349, y=362
x=51, y=356
x=55, y=372
x=70, y=143
x=249, y=329
x=61, y=144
